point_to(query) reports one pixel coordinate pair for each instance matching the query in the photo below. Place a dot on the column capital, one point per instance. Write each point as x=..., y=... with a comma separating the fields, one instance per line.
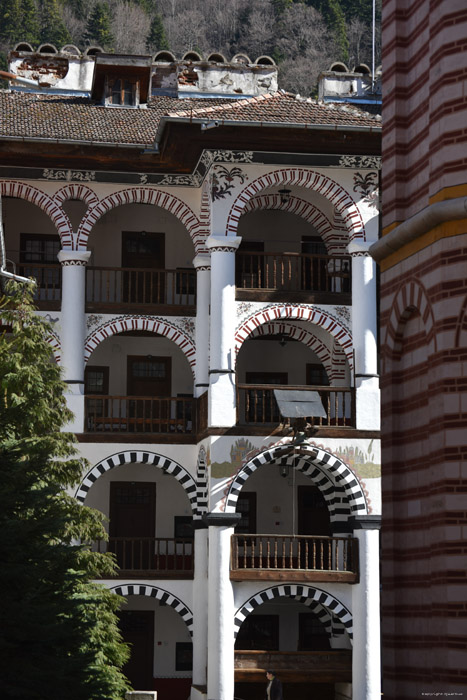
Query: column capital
x=224, y=244
x=365, y=522
x=202, y=261
x=222, y=519
x=359, y=248
x=74, y=257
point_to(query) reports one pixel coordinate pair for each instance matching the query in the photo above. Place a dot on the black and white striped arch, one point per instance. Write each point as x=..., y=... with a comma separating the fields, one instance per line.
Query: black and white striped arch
x=338, y=484
x=140, y=457
x=164, y=598
x=304, y=594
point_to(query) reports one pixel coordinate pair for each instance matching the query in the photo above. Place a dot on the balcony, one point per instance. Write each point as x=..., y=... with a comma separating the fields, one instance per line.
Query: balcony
x=257, y=406
x=293, y=277
x=151, y=557
x=137, y=289
x=294, y=558
x=48, y=291
x=294, y=666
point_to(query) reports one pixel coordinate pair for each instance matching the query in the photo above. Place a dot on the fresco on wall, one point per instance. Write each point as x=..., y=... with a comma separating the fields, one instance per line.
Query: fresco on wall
x=360, y=461
x=241, y=452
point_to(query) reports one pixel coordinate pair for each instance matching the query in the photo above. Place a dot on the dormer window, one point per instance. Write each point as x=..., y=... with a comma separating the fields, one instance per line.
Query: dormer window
x=121, y=91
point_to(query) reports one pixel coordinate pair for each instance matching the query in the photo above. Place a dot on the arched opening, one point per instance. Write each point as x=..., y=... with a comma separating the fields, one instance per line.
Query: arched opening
x=138, y=381
x=301, y=639
x=290, y=250
x=143, y=267
x=302, y=506
x=32, y=244
x=150, y=517
x=157, y=624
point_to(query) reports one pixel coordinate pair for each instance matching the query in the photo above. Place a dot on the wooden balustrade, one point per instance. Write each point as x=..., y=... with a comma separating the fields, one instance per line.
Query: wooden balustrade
x=139, y=414
x=294, y=666
x=293, y=272
x=256, y=404
x=161, y=556
x=110, y=286
x=256, y=554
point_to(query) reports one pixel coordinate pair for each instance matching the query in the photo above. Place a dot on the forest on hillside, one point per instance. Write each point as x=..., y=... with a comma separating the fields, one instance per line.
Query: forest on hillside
x=303, y=36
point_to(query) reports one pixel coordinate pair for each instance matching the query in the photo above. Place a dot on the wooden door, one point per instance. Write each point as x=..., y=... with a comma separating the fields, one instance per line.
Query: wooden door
x=132, y=526
x=313, y=513
x=149, y=376
x=137, y=629
x=143, y=255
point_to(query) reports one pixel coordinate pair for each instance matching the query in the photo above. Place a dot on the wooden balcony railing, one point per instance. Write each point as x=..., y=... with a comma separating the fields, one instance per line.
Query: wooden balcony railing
x=259, y=556
x=48, y=291
x=256, y=405
x=139, y=414
x=159, y=556
x=293, y=272
x=295, y=666
x=136, y=287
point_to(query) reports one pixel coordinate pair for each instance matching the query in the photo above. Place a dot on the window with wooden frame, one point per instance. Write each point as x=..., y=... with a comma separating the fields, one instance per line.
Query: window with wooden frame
x=123, y=92
x=259, y=632
x=96, y=381
x=246, y=506
x=38, y=259
x=312, y=633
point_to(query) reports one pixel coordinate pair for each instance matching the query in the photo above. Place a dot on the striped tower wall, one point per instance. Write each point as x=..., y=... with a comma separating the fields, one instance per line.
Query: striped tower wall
x=424, y=457
x=425, y=105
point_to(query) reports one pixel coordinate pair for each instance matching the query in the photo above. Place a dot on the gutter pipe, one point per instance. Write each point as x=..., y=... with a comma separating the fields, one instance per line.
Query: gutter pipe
x=417, y=225
x=17, y=79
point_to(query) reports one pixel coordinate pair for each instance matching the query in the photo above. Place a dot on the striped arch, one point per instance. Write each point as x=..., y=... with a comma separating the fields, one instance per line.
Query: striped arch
x=21, y=190
x=141, y=323
x=411, y=297
x=168, y=466
x=54, y=342
x=301, y=334
x=205, y=216
x=301, y=593
x=332, y=476
x=159, y=594
x=311, y=180
x=141, y=195
x=300, y=313
x=202, y=483
x=299, y=207
x=76, y=191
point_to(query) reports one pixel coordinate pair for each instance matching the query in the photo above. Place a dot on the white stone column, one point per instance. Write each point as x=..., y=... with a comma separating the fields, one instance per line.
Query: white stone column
x=366, y=654
x=72, y=331
x=200, y=606
x=364, y=332
x=220, y=607
x=222, y=398
x=202, y=264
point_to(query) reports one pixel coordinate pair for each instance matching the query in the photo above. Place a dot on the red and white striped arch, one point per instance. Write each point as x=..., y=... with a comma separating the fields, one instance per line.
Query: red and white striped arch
x=141, y=323
x=21, y=190
x=142, y=195
x=76, y=191
x=294, y=205
x=278, y=312
x=311, y=180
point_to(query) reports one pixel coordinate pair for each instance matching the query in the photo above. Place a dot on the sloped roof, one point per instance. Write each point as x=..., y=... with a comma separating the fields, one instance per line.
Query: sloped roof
x=35, y=116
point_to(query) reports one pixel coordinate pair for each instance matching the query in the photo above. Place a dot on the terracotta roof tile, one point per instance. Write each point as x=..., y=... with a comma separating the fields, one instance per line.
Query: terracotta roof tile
x=29, y=115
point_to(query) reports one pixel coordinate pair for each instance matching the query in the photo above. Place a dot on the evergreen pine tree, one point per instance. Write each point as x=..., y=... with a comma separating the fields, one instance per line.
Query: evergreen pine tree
x=53, y=30
x=10, y=21
x=157, y=41
x=98, y=29
x=58, y=633
x=30, y=26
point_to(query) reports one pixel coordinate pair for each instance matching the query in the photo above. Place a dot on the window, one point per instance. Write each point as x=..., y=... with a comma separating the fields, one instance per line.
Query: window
x=246, y=505
x=96, y=381
x=38, y=258
x=183, y=656
x=316, y=375
x=312, y=635
x=259, y=632
x=121, y=91
x=183, y=527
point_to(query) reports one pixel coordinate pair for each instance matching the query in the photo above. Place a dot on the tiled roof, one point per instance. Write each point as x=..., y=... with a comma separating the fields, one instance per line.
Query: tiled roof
x=29, y=115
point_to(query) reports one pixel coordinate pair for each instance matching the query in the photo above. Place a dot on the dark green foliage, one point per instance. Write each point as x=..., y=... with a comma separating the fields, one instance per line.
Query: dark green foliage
x=333, y=15
x=58, y=631
x=98, y=29
x=53, y=30
x=281, y=5
x=30, y=25
x=10, y=21
x=157, y=41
